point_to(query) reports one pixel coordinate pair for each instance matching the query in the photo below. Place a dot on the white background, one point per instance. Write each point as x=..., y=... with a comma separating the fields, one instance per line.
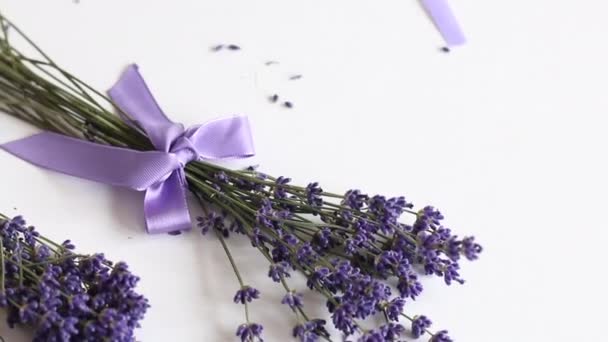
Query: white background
x=507, y=135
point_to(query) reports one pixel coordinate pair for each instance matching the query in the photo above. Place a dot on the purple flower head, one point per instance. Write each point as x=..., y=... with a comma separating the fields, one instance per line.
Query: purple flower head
x=441, y=336
x=388, y=210
x=210, y=221
x=419, y=325
x=278, y=270
x=221, y=177
x=354, y=199
x=394, y=308
x=258, y=238
x=250, y=332
x=281, y=253
x=246, y=294
x=318, y=277
x=375, y=335
x=357, y=242
x=293, y=299
x=279, y=188
x=323, y=239
x=290, y=239
x=313, y=195
x=452, y=246
x=310, y=331
x=392, y=261
x=392, y=331
x=68, y=245
x=451, y=274
x=470, y=249
x=409, y=286
x=306, y=254
x=343, y=318
x=427, y=217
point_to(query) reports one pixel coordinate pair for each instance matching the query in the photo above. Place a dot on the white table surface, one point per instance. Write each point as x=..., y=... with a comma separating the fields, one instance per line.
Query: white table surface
x=506, y=135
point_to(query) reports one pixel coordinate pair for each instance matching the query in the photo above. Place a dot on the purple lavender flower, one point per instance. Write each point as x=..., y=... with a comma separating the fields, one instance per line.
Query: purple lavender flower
x=258, y=238
x=392, y=262
x=293, y=299
x=409, y=286
x=265, y=214
x=324, y=239
x=354, y=199
x=306, y=254
x=310, y=331
x=290, y=239
x=470, y=249
x=394, y=308
x=279, y=188
x=319, y=278
x=210, y=221
x=427, y=217
x=451, y=274
x=441, y=336
x=313, y=195
x=250, y=332
x=419, y=325
x=392, y=331
x=278, y=270
x=343, y=318
x=375, y=335
x=221, y=177
x=67, y=289
x=246, y=294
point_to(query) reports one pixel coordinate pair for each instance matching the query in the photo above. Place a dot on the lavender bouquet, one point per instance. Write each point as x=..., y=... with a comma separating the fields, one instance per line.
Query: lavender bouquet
x=363, y=253
x=61, y=295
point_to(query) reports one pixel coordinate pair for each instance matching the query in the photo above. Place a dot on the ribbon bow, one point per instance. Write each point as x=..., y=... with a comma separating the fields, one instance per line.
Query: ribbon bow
x=159, y=173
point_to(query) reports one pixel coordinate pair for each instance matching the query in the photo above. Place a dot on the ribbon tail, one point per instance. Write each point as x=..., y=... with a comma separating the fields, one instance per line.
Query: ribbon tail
x=100, y=163
x=223, y=138
x=165, y=206
x=442, y=15
x=131, y=94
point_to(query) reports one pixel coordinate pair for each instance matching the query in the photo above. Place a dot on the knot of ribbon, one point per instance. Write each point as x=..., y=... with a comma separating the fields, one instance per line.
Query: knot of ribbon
x=159, y=173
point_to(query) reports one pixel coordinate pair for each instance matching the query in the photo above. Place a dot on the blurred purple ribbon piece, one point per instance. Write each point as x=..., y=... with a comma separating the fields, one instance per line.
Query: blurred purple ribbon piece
x=159, y=173
x=445, y=21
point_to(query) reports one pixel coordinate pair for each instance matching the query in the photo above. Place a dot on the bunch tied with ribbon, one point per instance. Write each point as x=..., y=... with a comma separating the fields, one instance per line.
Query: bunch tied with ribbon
x=159, y=173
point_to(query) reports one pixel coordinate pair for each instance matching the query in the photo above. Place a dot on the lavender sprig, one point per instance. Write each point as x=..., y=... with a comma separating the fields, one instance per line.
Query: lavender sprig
x=350, y=247
x=61, y=295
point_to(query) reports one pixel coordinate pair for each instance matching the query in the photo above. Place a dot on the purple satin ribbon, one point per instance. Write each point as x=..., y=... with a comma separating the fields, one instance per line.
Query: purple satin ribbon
x=159, y=173
x=445, y=21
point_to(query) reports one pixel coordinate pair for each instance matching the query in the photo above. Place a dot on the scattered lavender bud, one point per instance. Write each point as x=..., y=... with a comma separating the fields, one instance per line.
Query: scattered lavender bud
x=295, y=77
x=217, y=47
x=445, y=49
x=288, y=104
x=233, y=47
x=274, y=98
x=271, y=63
x=175, y=232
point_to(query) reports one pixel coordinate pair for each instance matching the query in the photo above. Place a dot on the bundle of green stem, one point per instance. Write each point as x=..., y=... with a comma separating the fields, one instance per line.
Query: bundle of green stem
x=353, y=248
